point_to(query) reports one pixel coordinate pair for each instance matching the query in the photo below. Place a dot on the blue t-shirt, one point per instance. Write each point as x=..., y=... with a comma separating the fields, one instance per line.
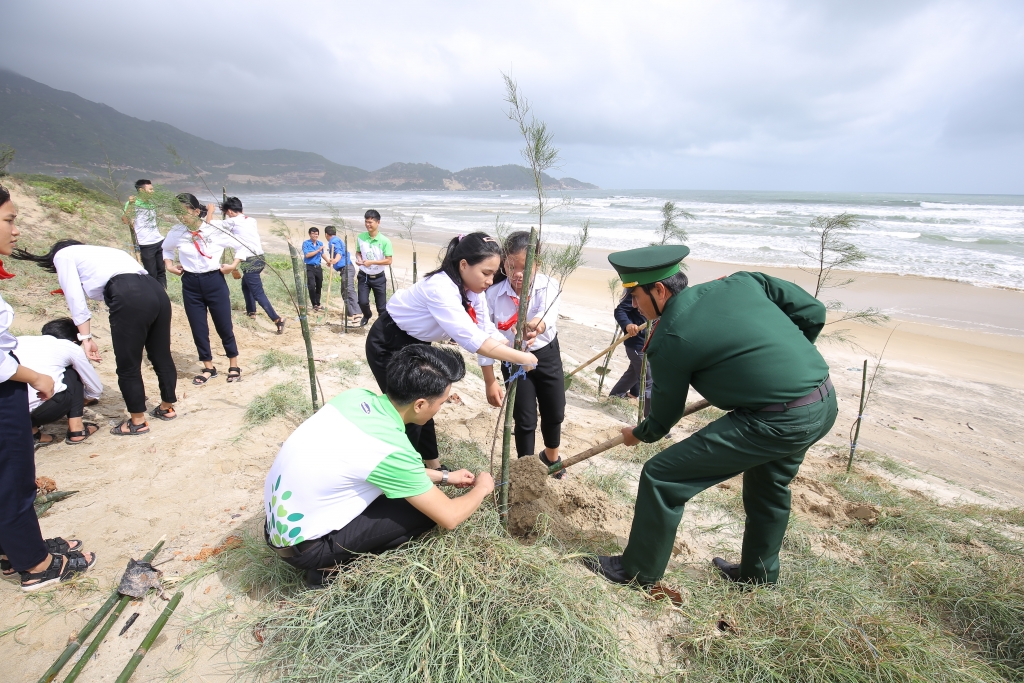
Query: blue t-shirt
x=307, y=247
x=335, y=247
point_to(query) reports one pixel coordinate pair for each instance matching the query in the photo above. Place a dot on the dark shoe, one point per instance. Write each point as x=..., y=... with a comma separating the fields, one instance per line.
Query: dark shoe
x=610, y=567
x=727, y=569
x=62, y=568
x=549, y=463
x=365, y=320
x=162, y=414
x=133, y=429
x=90, y=429
x=280, y=325
x=37, y=440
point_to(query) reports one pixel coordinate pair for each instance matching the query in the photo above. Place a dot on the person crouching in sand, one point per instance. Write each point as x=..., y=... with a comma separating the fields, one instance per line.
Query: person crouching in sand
x=368, y=492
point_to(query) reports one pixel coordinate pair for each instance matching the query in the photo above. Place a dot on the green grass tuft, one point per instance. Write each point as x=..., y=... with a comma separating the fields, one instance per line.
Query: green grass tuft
x=287, y=399
x=279, y=359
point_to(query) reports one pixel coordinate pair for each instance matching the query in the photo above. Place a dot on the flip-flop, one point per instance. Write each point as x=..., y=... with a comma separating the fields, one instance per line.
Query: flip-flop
x=83, y=433
x=161, y=414
x=133, y=429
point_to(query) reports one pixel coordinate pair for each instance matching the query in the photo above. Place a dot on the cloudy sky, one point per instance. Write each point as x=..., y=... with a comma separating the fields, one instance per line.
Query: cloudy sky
x=912, y=95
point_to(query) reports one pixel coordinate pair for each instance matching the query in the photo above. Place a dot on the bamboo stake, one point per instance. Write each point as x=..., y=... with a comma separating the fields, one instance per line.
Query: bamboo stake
x=42, y=509
x=327, y=301
x=91, y=625
x=613, y=442
x=591, y=360
x=392, y=273
x=860, y=416
x=300, y=294
x=506, y=441
x=344, y=284
x=147, y=642
x=414, y=266
x=642, y=403
x=53, y=497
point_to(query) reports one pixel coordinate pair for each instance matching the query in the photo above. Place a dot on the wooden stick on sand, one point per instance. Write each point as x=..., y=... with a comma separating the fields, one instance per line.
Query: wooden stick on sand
x=568, y=377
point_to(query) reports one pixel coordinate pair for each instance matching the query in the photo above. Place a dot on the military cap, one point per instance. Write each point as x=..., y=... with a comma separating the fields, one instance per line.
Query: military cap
x=648, y=264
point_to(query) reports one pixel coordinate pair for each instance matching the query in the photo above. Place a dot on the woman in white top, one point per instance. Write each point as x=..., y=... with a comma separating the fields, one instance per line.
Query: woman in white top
x=446, y=304
x=140, y=319
x=203, y=287
x=41, y=562
x=543, y=387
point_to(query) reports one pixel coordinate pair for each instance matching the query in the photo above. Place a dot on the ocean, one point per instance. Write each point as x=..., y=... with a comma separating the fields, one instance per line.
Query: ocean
x=971, y=238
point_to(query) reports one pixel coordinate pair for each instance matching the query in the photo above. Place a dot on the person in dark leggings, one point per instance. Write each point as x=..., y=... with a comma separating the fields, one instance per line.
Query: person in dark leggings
x=326, y=504
x=203, y=288
x=41, y=562
x=140, y=320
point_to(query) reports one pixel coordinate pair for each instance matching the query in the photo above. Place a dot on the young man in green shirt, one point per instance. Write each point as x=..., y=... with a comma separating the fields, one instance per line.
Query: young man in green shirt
x=367, y=491
x=373, y=255
x=746, y=343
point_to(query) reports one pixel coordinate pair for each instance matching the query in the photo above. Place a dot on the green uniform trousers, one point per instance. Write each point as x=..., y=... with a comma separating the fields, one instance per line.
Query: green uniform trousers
x=767, y=448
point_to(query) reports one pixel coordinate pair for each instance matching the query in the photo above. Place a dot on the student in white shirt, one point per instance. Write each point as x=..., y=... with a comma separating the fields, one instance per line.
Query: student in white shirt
x=249, y=248
x=203, y=287
x=543, y=387
x=41, y=562
x=447, y=303
x=58, y=353
x=147, y=234
x=140, y=320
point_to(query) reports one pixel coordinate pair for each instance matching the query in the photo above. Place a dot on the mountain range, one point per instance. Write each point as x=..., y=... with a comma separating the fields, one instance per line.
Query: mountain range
x=59, y=133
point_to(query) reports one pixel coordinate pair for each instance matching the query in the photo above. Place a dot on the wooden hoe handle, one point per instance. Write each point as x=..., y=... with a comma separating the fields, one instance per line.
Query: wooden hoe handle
x=610, y=348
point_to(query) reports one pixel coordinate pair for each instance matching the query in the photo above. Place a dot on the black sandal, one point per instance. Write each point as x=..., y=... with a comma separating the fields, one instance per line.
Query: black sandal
x=202, y=378
x=83, y=433
x=55, y=546
x=548, y=463
x=161, y=414
x=62, y=568
x=280, y=325
x=133, y=429
x=38, y=442
x=234, y=374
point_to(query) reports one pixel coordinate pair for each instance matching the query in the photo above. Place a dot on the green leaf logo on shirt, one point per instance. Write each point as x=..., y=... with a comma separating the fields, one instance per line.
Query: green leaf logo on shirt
x=282, y=534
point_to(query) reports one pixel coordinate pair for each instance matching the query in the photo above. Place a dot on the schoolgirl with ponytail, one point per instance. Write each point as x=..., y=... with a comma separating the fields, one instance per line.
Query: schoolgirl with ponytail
x=448, y=303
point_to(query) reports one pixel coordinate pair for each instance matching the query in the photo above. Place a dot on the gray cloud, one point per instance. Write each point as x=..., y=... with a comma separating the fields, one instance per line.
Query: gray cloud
x=920, y=95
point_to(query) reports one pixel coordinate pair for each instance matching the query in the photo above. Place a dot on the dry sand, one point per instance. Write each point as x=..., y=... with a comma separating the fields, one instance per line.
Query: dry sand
x=199, y=479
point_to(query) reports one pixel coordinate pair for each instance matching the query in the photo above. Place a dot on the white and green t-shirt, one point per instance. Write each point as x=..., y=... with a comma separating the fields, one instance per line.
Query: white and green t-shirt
x=373, y=249
x=338, y=462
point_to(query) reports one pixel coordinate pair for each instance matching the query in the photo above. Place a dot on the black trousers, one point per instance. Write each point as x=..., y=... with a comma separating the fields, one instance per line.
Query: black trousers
x=252, y=287
x=202, y=292
x=314, y=283
x=20, y=537
x=384, y=340
x=543, y=388
x=153, y=261
x=630, y=380
x=67, y=403
x=385, y=524
x=379, y=284
x=348, y=289
x=140, y=318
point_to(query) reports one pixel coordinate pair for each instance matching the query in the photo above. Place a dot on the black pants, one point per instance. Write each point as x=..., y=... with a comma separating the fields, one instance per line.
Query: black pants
x=153, y=261
x=348, y=289
x=252, y=287
x=385, y=524
x=67, y=403
x=386, y=339
x=202, y=292
x=543, y=388
x=379, y=284
x=314, y=283
x=140, y=318
x=630, y=380
x=20, y=538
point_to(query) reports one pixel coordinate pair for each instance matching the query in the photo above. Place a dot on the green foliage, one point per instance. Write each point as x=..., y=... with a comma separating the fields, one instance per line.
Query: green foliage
x=286, y=399
x=6, y=157
x=670, y=230
x=277, y=358
x=68, y=189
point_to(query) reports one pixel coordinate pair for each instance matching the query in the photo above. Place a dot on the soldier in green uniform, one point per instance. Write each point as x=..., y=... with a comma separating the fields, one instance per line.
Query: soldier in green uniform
x=746, y=343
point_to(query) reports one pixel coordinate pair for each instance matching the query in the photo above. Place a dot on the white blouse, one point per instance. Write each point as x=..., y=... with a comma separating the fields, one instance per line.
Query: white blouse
x=503, y=304
x=246, y=232
x=51, y=356
x=84, y=270
x=8, y=342
x=199, y=253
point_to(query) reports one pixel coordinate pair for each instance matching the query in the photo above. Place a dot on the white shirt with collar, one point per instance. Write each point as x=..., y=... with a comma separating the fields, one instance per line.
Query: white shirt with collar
x=502, y=303
x=247, y=240
x=84, y=270
x=8, y=342
x=146, y=230
x=431, y=310
x=211, y=240
x=51, y=356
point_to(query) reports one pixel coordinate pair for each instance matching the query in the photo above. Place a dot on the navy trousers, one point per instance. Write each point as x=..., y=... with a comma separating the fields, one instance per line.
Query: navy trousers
x=252, y=287
x=202, y=292
x=20, y=537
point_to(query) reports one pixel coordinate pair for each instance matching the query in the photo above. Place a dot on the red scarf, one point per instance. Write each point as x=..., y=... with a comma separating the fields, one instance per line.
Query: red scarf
x=472, y=314
x=4, y=275
x=508, y=324
x=196, y=234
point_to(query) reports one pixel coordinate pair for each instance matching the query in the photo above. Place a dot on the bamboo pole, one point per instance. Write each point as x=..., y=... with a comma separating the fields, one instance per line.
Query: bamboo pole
x=642, y=403
x=344, y=284
x=91, y=625
x=506, y=440
x=414, y=265
x=860, y=416
x=147, y=642
x=53, y=497
x=300, y=295
x=327, y=301
x=613, y=442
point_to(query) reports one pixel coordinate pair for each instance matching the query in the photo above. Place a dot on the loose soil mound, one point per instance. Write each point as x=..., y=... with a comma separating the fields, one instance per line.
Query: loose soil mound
x=823, y=506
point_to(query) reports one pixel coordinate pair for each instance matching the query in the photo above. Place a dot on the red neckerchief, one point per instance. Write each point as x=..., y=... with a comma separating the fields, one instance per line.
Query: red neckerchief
x=472, y=314
x=507, y=325
x=650, y=334
x=4, y=275
x=195, y=235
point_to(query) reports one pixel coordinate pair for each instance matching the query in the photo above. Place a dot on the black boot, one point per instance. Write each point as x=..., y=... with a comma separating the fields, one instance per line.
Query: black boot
x=610, y=567
x=727, y=569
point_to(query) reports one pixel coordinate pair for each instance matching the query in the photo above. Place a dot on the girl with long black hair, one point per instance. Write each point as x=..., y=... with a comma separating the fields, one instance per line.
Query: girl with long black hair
x=446, y=304
x=41, y=562
x=140, y=319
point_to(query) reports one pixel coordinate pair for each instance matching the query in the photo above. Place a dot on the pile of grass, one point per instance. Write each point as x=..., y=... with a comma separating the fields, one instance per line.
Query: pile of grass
x=286, y=399
x=468, y=605
x=275, y=358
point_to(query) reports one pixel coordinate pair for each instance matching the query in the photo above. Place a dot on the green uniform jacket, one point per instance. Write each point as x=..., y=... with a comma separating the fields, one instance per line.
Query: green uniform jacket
x=745, y=341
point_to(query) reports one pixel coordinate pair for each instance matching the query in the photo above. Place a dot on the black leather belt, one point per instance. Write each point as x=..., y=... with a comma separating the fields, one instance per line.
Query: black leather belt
x=819, y=394
x=374, y=276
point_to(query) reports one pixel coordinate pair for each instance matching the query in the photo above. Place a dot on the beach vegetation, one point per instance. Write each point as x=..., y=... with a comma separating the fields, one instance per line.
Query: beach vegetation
x=407, y=231
x=277, y=358
x=670, y=231
x=6, y=158
x=281, y=400
x=539, y=151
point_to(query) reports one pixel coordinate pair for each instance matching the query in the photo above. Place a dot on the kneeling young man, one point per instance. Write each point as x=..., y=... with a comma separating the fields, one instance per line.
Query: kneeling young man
x=367, y=491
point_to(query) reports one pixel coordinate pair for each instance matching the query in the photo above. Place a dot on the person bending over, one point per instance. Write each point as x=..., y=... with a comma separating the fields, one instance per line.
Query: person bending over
x=368, y=492
x=312, y=253
x=58, y=353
